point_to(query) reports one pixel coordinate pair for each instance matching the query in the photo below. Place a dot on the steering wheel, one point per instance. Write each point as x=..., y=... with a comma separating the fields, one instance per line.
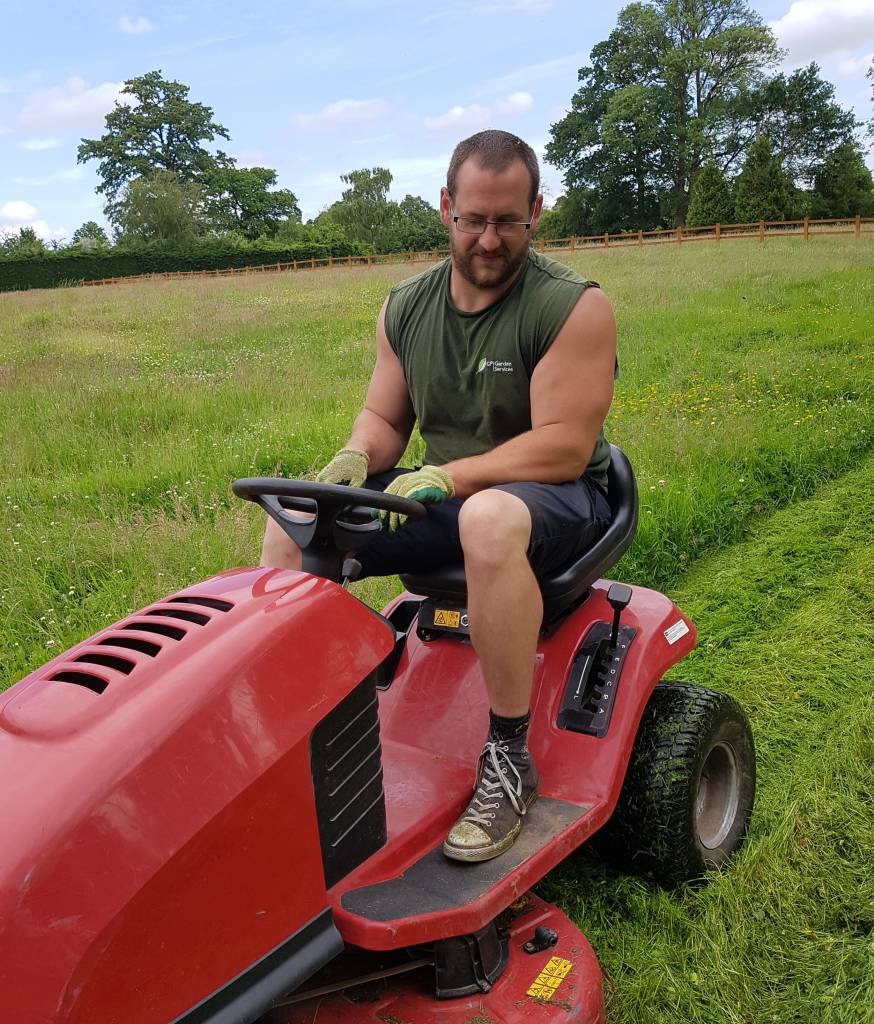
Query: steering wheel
x=339, y=519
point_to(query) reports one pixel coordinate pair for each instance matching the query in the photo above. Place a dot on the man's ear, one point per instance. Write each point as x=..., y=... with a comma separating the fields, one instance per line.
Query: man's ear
x=535, y=216
x=445, y=207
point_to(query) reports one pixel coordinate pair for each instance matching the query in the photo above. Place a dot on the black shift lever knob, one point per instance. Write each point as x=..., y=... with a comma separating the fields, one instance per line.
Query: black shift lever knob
x=618, y=595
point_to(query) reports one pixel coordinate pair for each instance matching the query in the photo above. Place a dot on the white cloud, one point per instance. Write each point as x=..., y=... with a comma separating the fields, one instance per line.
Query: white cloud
x=460, y=119
x=812, y=29
x=853, y=66
x=36, y=144
x=16, y=212
x=515, y=103
x=72, y=105
x=342, y=114
x=134, y=26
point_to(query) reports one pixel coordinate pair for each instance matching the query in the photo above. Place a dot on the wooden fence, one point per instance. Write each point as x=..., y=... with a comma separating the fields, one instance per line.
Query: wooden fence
x=804, y=229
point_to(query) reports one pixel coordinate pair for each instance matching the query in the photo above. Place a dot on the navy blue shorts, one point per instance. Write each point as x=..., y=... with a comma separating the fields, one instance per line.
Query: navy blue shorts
x=566, y=519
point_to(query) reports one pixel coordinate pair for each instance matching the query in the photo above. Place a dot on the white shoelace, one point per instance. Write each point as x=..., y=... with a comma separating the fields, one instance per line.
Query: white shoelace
x=495, y=778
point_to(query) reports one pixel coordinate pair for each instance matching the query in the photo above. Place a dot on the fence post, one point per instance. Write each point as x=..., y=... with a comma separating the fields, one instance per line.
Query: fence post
x=858, y=225
x=369, y=260
x=572, y=243
x=640, y=238
x=679, y=235
x=718, y=232
x=761, y=231
x=606, y=239
x=330, y=261
x=312, y=263
x=806, y=232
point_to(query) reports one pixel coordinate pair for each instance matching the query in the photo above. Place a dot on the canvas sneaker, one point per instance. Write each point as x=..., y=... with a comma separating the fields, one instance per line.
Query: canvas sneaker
x=506, y=787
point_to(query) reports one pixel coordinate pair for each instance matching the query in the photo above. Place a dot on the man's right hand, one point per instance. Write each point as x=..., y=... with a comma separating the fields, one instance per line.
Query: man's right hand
x=349, y=466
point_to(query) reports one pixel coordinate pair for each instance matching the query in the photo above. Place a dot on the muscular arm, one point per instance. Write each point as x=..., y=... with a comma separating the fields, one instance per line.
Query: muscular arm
x=382, y=428
x=571, y=390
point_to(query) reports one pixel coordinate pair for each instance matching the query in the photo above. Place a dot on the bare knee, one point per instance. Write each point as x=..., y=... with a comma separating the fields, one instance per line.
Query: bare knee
x=494, y=526
x=278, y=551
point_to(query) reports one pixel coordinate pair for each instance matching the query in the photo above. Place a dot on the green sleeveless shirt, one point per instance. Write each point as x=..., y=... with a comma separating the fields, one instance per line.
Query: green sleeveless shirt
x=469, y=374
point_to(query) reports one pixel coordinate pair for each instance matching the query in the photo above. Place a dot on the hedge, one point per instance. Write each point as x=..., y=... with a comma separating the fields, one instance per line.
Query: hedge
x=72, y=266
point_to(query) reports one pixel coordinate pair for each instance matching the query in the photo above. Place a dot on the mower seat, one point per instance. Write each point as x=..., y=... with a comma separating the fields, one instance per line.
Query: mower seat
x=562, y=589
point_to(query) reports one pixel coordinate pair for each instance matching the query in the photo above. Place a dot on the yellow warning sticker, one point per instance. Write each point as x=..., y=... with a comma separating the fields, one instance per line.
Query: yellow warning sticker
x=447, y=618
x=546, y=983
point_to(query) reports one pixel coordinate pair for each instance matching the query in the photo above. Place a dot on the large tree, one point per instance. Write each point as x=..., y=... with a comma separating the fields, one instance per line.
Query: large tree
x=418, y=226
x=159, y=209
x=654, y=104
x=243, y=199
x=363, y=210
x=159, y=130
x=842, y=185
x=800, y=117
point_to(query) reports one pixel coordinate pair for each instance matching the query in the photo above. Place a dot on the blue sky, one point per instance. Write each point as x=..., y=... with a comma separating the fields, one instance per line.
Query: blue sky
x=315, y=89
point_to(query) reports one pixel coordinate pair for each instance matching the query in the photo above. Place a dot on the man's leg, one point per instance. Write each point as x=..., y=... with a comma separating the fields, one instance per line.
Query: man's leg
x=505, y=611
x=278, y=550
x=503, y=598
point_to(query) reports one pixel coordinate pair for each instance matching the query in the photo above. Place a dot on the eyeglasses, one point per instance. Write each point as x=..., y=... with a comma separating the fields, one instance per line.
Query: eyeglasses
x=504, y=228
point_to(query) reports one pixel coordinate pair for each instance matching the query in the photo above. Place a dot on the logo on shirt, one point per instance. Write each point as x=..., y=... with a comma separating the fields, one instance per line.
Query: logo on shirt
x=495, y=365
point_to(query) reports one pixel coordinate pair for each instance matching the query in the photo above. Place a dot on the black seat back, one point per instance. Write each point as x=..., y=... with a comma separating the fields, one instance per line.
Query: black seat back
x=564, y=588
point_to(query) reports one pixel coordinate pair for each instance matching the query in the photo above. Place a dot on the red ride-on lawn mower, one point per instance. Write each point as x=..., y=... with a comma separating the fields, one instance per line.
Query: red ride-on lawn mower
x=230, y=806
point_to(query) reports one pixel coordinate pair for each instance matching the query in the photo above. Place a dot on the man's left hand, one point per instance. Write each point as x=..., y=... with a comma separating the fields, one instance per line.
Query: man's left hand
x=430, y=485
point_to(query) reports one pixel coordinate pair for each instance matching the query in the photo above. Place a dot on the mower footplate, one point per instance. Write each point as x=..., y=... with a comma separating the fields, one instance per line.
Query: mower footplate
x=436, y=884
x=560, y=984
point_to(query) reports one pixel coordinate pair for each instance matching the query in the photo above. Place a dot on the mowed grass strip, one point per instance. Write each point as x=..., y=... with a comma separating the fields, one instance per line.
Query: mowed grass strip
x=786, y=625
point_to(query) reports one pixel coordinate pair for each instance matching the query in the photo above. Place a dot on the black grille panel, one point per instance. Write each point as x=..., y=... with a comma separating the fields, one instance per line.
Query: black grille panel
x=346, y=765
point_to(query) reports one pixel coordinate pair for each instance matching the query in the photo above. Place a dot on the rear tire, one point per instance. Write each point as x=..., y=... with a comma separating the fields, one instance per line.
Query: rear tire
x=688, y=792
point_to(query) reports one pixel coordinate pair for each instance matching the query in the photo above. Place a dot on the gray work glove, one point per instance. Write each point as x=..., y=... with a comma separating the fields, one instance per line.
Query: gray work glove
x=349, y=466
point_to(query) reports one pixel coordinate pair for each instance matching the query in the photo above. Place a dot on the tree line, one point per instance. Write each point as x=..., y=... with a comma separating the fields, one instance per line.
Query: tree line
x=164, y=187
x=679, y=120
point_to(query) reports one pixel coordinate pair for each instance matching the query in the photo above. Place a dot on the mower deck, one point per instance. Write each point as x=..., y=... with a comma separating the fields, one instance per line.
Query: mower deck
x=561, y=983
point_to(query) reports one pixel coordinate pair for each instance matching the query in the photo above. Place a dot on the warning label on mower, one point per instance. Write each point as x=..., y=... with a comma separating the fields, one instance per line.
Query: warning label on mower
x=442, y=617
x=673, y=633
x=545, y=985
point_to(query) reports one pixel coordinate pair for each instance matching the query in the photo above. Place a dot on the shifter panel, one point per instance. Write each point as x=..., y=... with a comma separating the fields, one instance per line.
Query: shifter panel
x=590, y=691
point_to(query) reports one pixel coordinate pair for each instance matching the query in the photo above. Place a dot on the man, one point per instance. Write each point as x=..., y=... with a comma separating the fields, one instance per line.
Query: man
x=506, y=359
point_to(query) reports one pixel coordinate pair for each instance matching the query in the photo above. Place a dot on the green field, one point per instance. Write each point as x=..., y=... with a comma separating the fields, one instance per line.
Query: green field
x=745, y=405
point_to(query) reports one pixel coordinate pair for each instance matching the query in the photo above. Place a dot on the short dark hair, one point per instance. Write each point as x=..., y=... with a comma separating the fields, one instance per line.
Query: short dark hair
x=494, y=151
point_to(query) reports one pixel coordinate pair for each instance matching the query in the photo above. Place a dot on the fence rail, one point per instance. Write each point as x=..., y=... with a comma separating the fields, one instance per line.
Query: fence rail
x=805, y=229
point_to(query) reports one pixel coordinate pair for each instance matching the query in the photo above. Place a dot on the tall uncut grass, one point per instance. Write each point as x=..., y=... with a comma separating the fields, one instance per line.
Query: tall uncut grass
x=744, y=403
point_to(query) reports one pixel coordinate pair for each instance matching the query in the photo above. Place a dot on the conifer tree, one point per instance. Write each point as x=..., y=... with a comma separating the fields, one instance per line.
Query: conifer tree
x=762, y=190
x=711, y=201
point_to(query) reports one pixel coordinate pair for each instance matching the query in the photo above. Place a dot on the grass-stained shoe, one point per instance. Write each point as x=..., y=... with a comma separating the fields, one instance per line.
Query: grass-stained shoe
x=506, y=787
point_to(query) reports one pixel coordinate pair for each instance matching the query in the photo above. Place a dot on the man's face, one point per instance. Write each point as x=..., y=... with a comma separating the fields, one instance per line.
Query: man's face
x=489, y=260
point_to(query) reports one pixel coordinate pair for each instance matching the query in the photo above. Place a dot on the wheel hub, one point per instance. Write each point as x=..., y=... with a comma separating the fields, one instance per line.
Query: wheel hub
x=718, y=793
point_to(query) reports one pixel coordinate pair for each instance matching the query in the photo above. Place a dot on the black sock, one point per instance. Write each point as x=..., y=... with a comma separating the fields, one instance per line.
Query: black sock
x=501, y=728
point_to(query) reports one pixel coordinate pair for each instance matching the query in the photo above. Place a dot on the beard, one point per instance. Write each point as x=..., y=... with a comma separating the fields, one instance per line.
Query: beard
x=484, y=275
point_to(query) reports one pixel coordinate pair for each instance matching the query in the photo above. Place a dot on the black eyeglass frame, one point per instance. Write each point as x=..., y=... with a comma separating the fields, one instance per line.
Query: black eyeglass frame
x=496, y=224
